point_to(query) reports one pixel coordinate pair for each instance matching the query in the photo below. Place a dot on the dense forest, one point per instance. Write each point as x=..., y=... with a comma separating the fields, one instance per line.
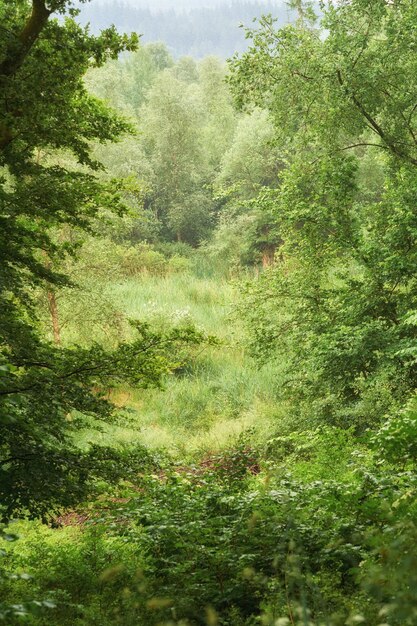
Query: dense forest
x=191, y=28
x=208, y=322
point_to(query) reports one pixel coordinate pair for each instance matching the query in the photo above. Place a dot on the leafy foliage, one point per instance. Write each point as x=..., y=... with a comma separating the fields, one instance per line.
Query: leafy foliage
x=47, y=390
x=311, y=523
x=338, y=304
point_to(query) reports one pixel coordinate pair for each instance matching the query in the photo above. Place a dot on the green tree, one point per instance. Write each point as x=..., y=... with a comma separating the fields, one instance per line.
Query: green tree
x=338, y=310
x=44, y=389
x=186, y=121
x=171, y=120
x=220, y=122
x=124, y=83
x=251, y=164
x=186, y=70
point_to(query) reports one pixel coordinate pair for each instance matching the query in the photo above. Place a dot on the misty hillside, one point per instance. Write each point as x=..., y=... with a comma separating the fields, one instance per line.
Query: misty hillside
x=157, y=6
x=186, y=29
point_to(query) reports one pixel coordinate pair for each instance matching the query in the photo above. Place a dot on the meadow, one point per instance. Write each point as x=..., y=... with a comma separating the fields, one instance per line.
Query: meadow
x=219, y=395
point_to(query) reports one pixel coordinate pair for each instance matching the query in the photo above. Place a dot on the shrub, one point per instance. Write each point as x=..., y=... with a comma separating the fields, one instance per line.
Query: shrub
x=179, y=264
x=142, y=259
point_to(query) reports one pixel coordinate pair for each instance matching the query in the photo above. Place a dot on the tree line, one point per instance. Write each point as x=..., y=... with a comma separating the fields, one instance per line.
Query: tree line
x=199, y=31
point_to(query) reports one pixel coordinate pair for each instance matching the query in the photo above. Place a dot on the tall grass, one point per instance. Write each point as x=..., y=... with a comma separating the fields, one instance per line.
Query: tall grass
x=174, y=298
x=222, y=392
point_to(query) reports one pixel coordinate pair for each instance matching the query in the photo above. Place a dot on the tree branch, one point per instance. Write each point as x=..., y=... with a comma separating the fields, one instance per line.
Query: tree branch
x=85, y=368
x=17, y=51
x=17, y=458
x=374, y=124
x=355, y=145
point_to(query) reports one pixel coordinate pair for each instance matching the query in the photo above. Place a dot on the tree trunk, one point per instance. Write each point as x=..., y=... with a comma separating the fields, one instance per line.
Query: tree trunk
x=21, y=43
x=53, y=305
x=268, y=257
x=53, y=310
x=16, y=52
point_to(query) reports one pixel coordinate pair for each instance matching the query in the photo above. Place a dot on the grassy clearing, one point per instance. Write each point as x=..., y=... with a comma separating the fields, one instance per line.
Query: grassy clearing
x=222, y=393
x=176, y=298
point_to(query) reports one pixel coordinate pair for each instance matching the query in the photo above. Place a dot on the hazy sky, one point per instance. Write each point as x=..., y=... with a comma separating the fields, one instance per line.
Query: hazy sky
x=187, y=27
x=179, y=4
x=185, y=3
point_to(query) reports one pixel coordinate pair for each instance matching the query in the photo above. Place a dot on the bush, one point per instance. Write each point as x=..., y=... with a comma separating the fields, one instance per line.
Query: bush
x=87, y=574
x=179, y=264
x=142, y=259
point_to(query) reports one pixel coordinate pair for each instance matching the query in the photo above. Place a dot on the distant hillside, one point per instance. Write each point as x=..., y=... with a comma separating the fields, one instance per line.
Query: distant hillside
x=183, y=5
x=196, y=32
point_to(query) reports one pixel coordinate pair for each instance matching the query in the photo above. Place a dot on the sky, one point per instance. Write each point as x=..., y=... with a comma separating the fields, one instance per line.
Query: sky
x=184, y=3
x=178, y=5
x=187, y=27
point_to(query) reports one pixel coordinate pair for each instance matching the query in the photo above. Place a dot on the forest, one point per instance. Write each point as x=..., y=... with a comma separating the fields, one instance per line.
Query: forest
x=198, y=29
x=208, y=322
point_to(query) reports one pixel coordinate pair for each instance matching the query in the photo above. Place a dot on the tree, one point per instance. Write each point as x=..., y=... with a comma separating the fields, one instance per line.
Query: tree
x=251, y=163
x=338, y=311
x=185, y=125
x=125, y=83
x=171, y=121
x=220, y=123
x=45, y=390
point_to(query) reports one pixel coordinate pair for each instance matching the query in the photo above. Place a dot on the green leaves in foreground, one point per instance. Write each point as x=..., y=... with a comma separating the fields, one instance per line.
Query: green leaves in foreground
x=46, y=393
x=245, y=548
x=20, y=610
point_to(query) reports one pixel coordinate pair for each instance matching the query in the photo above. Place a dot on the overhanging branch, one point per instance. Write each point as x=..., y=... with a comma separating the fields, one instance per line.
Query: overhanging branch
x=375, y=127
x=21, y=45
x=17, y=51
